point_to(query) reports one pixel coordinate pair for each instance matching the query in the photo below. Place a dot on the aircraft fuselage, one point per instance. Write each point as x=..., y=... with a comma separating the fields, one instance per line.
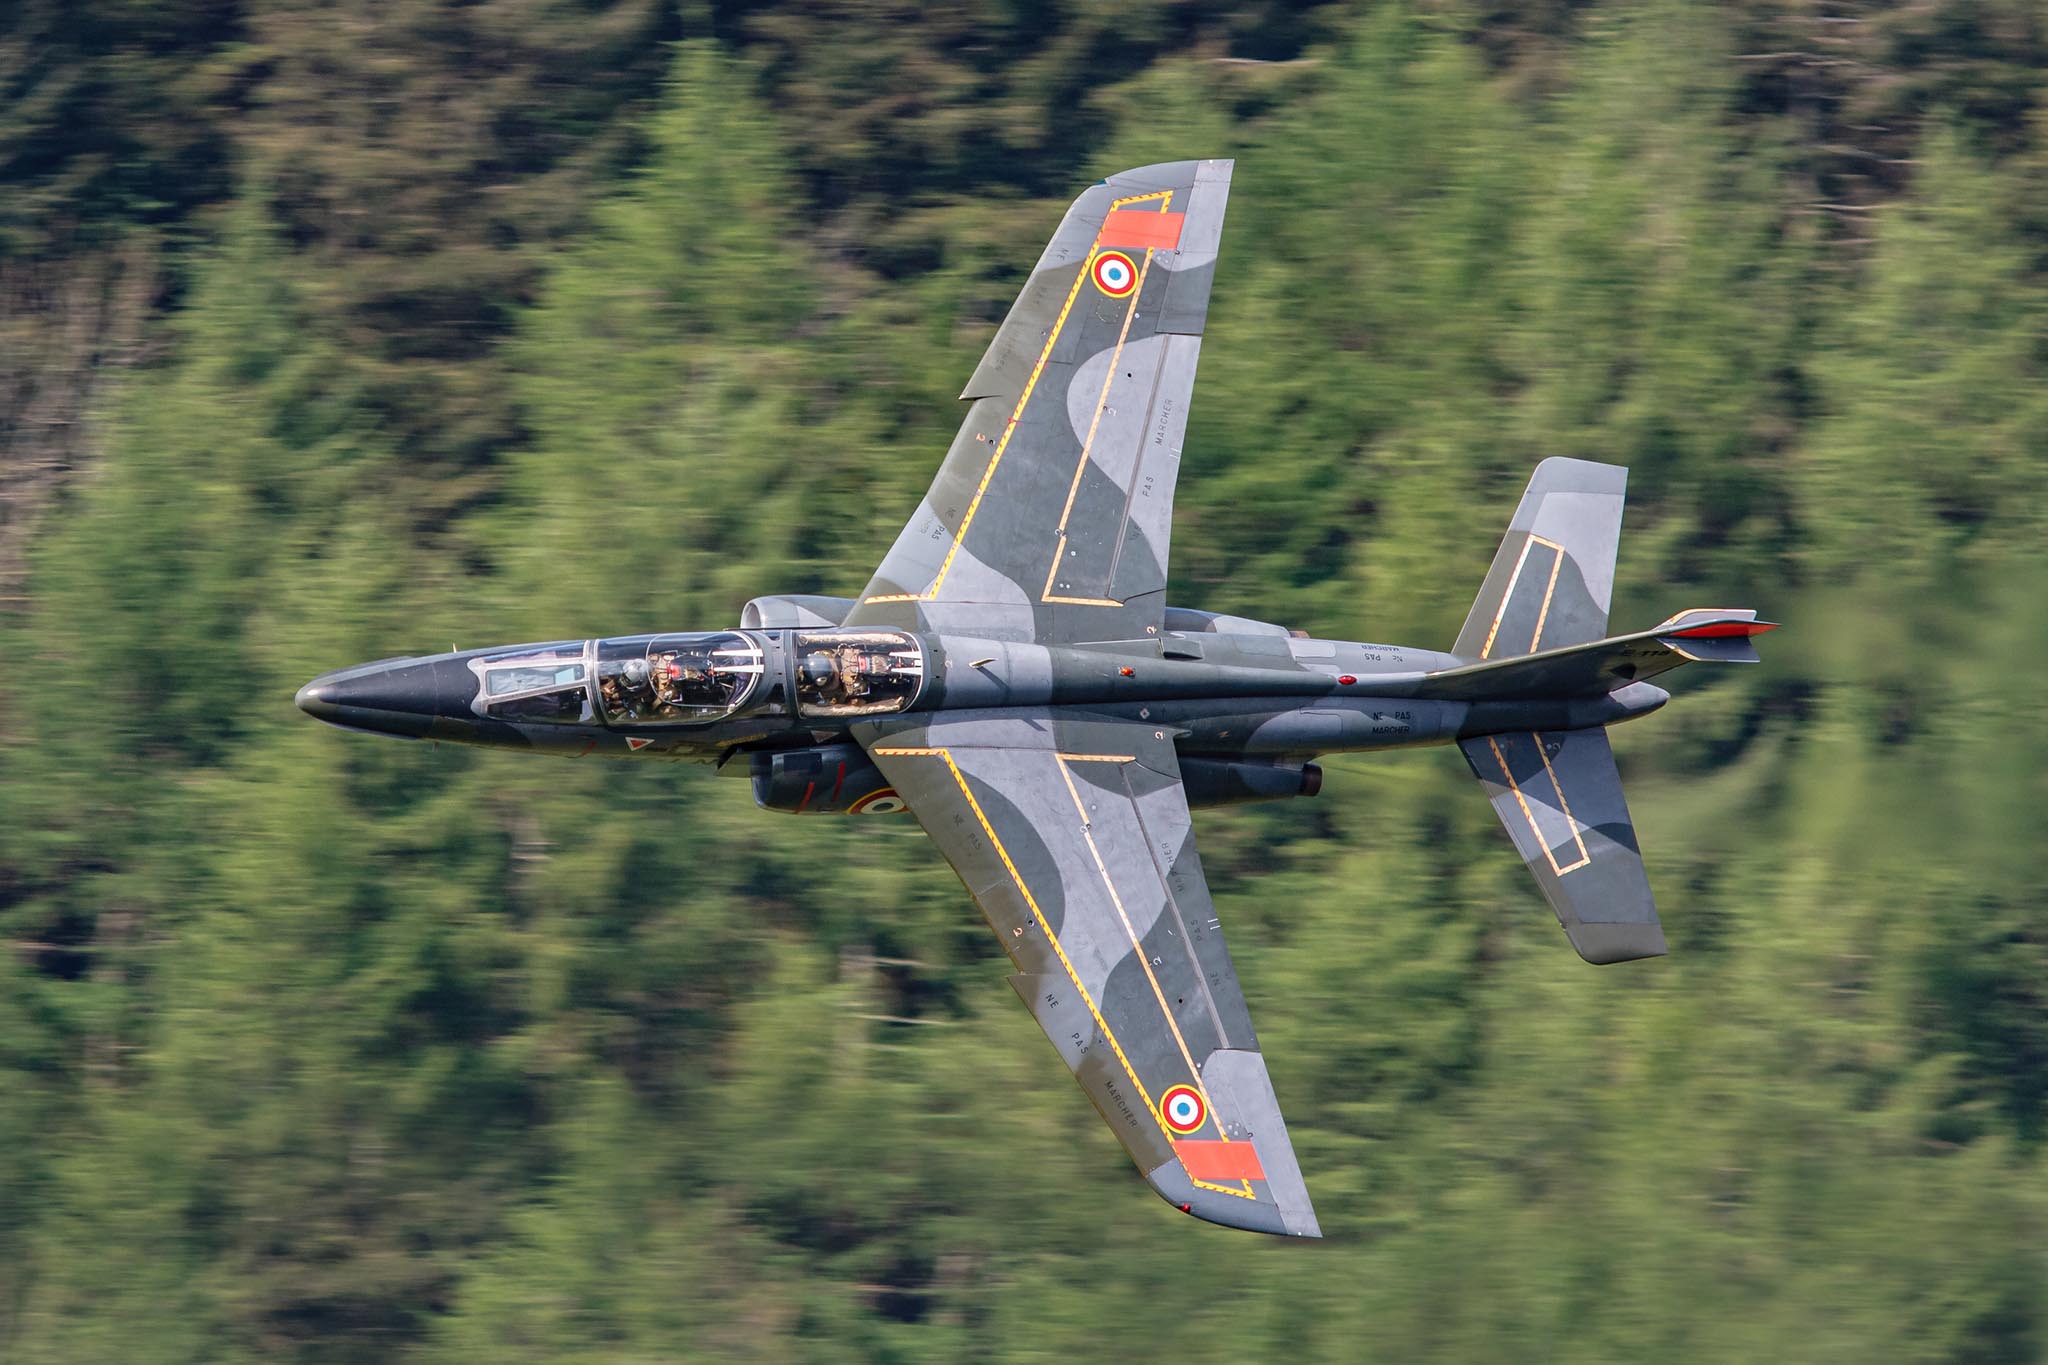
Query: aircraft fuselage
x=1248, y=710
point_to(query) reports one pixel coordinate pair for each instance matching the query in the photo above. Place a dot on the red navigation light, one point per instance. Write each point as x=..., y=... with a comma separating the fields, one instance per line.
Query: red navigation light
x=1128, y=672
x=1345, y=680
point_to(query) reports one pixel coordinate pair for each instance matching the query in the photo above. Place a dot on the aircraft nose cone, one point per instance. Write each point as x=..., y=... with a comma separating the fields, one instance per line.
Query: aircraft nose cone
x=315, y=700
x=411, y=697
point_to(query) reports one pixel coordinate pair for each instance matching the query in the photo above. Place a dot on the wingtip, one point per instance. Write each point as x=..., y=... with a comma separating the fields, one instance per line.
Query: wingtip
x=1565, y=474
x=1163, y=173
x=1604, y=944
x=1230, y=1209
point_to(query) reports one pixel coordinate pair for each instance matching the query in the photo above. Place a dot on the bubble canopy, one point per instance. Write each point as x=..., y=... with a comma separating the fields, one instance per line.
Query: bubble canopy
x=628, y=680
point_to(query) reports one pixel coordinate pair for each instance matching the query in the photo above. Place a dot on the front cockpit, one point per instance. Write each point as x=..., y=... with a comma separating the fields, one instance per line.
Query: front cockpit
x=534, y=685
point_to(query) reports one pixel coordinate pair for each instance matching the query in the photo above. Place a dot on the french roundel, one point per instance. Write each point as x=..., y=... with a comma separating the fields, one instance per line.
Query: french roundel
x=1182, y=1108
x=1114, y=273
x=883, y=802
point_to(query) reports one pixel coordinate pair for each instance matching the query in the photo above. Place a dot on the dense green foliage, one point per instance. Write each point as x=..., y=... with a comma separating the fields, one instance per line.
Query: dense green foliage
x=478, y=325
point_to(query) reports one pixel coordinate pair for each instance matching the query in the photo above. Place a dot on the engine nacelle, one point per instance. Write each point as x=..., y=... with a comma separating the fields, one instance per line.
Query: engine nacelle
x=1220, y=782
x=826, y=779
x=794, y=613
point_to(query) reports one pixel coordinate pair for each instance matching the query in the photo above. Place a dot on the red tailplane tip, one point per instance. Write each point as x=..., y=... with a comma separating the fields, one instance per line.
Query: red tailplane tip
x=1722, y=630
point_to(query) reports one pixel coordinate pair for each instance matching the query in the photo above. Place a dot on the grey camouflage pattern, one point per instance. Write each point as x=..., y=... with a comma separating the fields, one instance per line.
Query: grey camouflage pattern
x=1553, y=577
x=1073, y=835
x=1013, y=677
x=1051, y=518
x=1559, y=796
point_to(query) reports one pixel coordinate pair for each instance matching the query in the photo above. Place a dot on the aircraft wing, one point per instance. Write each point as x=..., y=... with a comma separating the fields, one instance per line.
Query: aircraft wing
x=1050, y=518
x=1074, y=837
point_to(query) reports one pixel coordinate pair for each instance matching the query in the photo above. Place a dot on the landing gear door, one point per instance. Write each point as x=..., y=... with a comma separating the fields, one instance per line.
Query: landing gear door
x=857, y=672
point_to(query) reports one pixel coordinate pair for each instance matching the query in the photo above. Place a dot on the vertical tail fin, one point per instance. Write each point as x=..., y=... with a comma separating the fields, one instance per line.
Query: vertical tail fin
x=1553, y=577
x=1558, y=791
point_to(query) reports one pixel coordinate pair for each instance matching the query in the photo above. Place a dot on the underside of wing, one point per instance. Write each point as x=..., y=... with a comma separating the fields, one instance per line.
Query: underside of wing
x=1051, y=516
x=1074, y=837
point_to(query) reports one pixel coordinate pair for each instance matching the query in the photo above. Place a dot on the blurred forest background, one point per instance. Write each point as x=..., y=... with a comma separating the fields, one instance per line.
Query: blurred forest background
x=331, y=331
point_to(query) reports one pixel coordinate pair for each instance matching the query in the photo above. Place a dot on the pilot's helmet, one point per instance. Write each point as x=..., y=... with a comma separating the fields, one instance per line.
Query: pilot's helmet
x=817, y=669
x=636, y=672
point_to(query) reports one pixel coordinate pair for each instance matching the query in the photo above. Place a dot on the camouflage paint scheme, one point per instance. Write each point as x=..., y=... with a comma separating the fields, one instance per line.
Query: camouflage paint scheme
x=1013, y=677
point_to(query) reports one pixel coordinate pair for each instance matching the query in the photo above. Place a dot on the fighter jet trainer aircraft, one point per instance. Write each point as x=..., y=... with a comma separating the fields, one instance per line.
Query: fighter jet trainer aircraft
x=1013, y=677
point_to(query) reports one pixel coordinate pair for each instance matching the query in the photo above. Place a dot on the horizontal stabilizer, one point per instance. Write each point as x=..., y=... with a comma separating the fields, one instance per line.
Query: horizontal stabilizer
x=1702, y=635
x=1559, y=794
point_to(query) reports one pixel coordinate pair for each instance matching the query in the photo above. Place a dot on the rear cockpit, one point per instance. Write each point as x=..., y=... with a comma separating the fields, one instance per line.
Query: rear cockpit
x=852, y=672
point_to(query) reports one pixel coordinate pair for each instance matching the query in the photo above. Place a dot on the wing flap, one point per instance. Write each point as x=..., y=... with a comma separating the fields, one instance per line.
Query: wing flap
x=1075, y=840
